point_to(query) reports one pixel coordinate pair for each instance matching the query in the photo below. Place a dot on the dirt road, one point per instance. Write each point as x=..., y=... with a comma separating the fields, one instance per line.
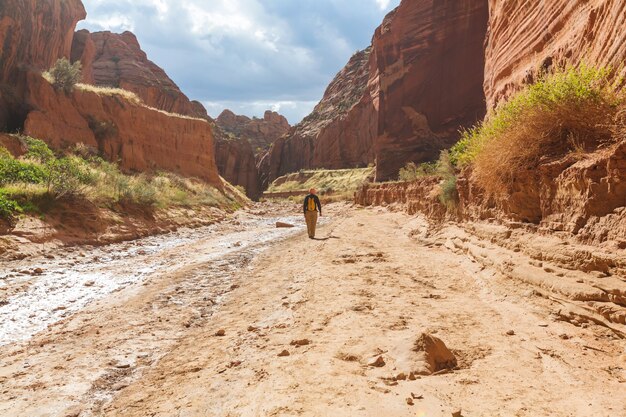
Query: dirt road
x=294, y=327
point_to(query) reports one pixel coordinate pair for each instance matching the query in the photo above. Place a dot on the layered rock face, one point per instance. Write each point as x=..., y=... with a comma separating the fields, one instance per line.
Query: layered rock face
x=427, y=75
x=528, y=36
x=261, y=133
x=33, y=35
x=117, y=60
x=140, y=138
x=339, y=133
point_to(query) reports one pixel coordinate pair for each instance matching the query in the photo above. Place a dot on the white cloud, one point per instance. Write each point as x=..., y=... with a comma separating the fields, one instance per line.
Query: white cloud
x=383, y=4
x=252, y=53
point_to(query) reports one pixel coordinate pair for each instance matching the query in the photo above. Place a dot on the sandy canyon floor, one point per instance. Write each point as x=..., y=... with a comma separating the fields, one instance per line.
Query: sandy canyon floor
x=243, y=319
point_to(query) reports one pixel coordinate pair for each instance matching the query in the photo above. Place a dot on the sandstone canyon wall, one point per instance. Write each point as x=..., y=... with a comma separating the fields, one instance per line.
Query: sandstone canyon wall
x=339, y=133
x=117, y=60
x=140, y=138
x=583, y=197
x=427, y=74
x=33, y=35
x=404, y=99
x=528, y=36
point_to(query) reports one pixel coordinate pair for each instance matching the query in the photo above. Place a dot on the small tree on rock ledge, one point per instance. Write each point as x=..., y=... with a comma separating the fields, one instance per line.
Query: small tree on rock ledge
x=65, y=75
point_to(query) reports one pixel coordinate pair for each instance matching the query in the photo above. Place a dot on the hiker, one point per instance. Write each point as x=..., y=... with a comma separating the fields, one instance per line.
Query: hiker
x=312, y=207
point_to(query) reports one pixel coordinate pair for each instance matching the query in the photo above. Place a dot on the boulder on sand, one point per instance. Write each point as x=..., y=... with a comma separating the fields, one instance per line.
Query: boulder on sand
x=283, y=225
x=434, y=354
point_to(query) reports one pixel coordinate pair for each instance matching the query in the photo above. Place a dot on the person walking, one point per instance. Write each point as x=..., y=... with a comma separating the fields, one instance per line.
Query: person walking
x=312, y=207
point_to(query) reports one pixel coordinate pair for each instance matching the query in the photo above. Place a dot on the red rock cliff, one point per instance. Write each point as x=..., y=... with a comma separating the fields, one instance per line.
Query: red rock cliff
x=261, y=133
x=339, y=133
x=427, y=74
x=140, y=138
x=402, y=100
x=33, y=35
x=525, y=36
x=116, y=60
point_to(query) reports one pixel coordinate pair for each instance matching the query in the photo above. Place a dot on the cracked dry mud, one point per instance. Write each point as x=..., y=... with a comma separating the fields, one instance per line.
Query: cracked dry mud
x=292, y=327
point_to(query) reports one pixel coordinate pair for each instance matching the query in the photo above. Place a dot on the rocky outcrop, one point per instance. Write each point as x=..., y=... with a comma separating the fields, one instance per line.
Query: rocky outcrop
x=339, y=133
x=584, y=197
x=427, y=75
x=261, y=133
x=140, y=138
x=526, y=37
x=117, y=60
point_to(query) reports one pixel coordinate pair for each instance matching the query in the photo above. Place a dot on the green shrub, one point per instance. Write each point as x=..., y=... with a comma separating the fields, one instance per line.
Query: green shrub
x=8, y=208
x=65, y=75
x=68, y=176
x=449, y=194
x=37, y=149
x=13, y=170
x=566, y=111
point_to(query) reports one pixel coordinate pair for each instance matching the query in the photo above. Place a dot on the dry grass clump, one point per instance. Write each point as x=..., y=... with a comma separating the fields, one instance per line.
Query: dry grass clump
x=340, y=183
x=570, y=110
x=111, y=91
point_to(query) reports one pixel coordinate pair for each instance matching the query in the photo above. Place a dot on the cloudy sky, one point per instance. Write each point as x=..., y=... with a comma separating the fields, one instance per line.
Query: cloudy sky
x=246, y=55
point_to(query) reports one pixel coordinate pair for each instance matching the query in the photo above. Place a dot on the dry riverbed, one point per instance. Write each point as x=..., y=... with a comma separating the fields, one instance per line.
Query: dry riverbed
x=243, y=319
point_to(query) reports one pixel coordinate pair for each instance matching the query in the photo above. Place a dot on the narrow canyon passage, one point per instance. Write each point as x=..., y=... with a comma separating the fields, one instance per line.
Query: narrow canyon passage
x=288, y=326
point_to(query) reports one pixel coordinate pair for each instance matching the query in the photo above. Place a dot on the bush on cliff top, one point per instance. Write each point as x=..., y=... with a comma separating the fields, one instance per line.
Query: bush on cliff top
x=572, y=109
x=64, y=75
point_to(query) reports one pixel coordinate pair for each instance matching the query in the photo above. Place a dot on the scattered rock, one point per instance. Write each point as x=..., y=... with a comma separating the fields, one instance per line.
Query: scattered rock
x=435, y=354
x=409, y=401
x=220, y=333
x=233, y=364
x=417, y=397
x=89, y=283
x=49, y=256
x=564, y=336
x=37, y=271
x=510, y=333
x=401, y=377
x=378, y=363
x=73, y=412
x=283, y=225
x=302, y=342
x=252, y=328
x=283, y=353
x=119, y=386
x=457, y=413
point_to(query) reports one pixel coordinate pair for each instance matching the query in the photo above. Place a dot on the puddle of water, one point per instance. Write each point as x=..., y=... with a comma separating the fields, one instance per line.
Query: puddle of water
x=70, y=284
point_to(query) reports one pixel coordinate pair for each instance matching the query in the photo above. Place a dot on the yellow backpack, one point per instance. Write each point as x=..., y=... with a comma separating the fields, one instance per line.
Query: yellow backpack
x=311, y=206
